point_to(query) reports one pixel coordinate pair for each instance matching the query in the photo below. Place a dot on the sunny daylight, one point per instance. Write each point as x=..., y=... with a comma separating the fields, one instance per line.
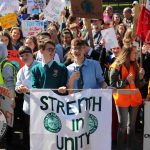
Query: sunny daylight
x=74, y=74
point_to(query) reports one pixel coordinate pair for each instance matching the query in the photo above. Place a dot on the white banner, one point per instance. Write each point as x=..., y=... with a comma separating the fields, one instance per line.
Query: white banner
x=7, y=109
x=35, y=6
x=148, y=4
x=80, y=121
x=146, y=139
x=53, y=9
x=110, y=38
x=32, y=27
x=8, y=6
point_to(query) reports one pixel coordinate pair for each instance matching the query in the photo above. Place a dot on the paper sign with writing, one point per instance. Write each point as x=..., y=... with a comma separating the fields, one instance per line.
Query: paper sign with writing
x=74, y=122
x=8, y=6
x=110, y=38
x=8, y=21
x=32, y=27
x=148, y=4
x=35, y=6
x=53, y=9
x=6, y=108
x=13, y=57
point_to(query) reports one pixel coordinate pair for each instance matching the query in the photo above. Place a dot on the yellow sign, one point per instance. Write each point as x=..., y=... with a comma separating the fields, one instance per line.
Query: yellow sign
x=8, y=21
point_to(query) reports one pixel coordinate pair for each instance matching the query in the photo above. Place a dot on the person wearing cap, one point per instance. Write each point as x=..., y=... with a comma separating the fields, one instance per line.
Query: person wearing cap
x=23, y=85
x=49, y=74
x=135, y=3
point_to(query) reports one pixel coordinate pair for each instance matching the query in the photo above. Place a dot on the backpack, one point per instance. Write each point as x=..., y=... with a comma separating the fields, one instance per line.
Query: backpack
x=15, y=69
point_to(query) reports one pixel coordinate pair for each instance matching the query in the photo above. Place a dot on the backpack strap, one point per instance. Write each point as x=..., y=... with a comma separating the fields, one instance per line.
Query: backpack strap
x=3, y=63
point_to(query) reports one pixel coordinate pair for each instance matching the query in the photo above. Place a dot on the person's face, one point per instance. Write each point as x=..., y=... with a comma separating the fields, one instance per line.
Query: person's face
x=67, y=39
x=53, y=34
x=5, y=40
x=121, y=29
x=126, y=14
x=27, y=58
x=133, y=54
x=116, y=19
x=48, y=52
x=109, y=11
x=116, y=51
x=30, y=43
x=15, y=34
x=78, y=52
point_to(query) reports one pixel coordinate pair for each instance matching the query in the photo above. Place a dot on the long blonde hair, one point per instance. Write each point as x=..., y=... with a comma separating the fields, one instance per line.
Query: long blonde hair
x=124, y=58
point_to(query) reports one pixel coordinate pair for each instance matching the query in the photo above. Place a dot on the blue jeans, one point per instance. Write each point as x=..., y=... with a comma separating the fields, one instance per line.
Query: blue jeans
x=126, y=118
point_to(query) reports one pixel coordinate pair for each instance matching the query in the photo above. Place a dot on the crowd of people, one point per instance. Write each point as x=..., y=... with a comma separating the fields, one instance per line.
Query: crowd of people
x=61, y=58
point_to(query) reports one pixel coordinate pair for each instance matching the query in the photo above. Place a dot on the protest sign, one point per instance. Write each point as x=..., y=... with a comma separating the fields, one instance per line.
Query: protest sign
x=8, y=6
x=53, y=9
x=8, y=21
x=146, y=139
x=13, y=57
x=80, y=121
x=110, y=38
x=6, y=108
x=35, y=6
x=87, y=8
x=137, y=9
x=32, y=27
x=148, y=4
x=143, y=28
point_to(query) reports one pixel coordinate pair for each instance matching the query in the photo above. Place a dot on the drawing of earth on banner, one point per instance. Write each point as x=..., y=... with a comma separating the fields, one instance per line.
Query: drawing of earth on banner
x=53, y=124
x=87, y=6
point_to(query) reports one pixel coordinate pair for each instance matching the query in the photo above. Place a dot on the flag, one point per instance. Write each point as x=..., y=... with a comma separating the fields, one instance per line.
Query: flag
x=143, y=28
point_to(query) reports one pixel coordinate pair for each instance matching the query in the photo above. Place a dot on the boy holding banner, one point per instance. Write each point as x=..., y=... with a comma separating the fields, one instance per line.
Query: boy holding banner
x=84, y=73
x=49, y=74
x=23, y=85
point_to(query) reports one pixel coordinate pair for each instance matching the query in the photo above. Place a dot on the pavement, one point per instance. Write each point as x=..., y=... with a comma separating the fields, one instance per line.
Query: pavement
x=17, y=140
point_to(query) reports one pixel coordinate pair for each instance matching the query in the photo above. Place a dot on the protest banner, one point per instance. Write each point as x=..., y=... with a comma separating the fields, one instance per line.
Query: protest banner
x=53, y=9
x=87, y=8
x=110, y=38
x=143, y=28
x=8, y=21
x=6, y=108
x=35, y=6
x=146, y=137
x=148, y=4
x=13, y=57
x=32, y=27
x=3, y=124
x=80, y=121
x=8, y=6
x=137, y=9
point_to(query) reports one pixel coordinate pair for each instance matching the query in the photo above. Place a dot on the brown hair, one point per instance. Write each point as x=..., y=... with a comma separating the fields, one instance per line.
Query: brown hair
x=128, y=37
x=17, y=28
x=24, y=49
x=5, y=33
x=124, y=58
x=77, y=42
x=33, y=38
x=44, y=42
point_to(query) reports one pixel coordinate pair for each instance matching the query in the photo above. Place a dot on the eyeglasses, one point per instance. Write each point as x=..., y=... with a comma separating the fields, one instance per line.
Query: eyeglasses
x=50, y=49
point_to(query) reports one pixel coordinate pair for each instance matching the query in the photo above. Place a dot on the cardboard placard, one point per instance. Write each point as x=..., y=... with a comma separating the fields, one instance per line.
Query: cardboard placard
x=87, y=8
x=9, y=21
